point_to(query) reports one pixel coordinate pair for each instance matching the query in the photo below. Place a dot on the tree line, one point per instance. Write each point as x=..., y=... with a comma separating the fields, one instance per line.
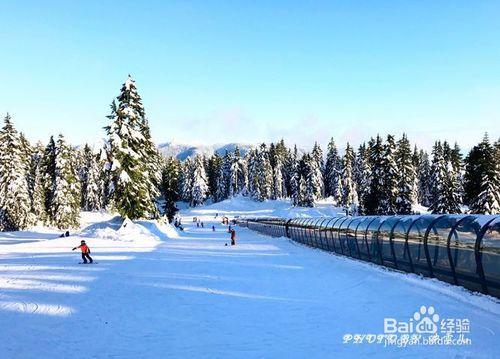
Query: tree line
x=52, y=183
x=381, y=177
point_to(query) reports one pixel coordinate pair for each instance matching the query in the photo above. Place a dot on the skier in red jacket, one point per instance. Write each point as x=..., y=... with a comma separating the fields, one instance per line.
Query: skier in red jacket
x=85, y=252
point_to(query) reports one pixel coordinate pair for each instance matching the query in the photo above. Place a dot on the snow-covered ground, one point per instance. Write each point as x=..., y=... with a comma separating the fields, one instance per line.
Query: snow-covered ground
x=244, y=206
x=159, y=293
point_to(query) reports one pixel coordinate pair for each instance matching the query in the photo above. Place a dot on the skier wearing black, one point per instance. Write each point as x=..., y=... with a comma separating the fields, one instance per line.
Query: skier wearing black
x=85, y=252
x=233, y=237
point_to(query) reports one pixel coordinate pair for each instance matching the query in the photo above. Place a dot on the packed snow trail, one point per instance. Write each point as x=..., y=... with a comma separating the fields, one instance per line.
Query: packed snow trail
x=191, y=296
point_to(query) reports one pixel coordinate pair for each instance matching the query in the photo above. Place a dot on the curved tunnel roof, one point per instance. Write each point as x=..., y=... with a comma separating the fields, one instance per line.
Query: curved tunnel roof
x=459, y=249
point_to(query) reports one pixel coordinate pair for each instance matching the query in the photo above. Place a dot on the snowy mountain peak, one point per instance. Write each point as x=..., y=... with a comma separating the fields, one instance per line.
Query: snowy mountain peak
x=183, y=151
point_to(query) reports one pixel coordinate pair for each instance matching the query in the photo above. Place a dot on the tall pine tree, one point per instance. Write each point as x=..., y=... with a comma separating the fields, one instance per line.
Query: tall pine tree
x=15, y=204
x=421, y=160
x=91, y=180
x=199, y=189
x=406, y=177
x=389, y=178
x=65, y=204
x=362, y=177
x=482, y=176
x=169, y=187
x=294, y=177
x=333, y=173
x=132, y=157
x=350, y=192
x=438, y=180
x=376, y=188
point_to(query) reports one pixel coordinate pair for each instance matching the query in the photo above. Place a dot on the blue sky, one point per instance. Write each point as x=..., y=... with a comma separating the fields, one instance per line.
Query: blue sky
x=250, y=71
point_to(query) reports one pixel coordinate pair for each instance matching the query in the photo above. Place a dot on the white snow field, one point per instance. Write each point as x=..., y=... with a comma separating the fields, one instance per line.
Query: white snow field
x=159, y=293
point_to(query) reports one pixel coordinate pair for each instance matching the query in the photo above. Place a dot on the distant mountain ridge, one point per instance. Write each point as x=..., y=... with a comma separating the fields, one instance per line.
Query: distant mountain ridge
x=183, y=151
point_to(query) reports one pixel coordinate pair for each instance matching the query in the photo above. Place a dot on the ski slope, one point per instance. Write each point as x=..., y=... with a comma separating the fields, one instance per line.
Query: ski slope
x=159, y=293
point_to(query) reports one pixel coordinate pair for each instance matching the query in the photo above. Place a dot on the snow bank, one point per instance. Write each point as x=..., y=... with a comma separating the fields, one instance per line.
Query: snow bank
x=103, y=232
x=160, y=229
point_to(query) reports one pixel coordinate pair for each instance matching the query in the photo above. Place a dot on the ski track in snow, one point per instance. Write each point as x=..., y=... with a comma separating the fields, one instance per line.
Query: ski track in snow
x=158, y=293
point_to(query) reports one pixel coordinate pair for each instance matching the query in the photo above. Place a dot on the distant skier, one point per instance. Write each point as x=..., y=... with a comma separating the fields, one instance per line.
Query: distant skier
x=213, y=228
x=233, y=237
x=202, y=225
x=85, y=252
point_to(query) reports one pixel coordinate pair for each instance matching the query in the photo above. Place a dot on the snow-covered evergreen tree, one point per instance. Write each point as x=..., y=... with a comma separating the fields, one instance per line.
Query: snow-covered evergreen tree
x=281, y=160
x=153, y=160
x=15, y=203
x=390, y=179
x=317, y=157
x=222, y=187
x=488, y=201
x=331, y=161
x=82, y=170
x=105, y=178
x=452, y=190
x=288, y=168
x=478, y=162
x=349, y=191
x=302, y=199
x=376, y=188
x=91, y=180
x=222, y=177
x=199, y=189
x=279, y=188
x=132, y=157
x=294, y=177
x=213, y=165
x=65, y=204
x=424, y=177
x=38, y=190
x=260, y=175
x=362, y=175
x=169, y=187
x=485, y=159
x=265, y=173
x=186, y=180
x=27, y=157
x=333, y=173
x=406, y=176
x=455, y=158
x=308, y=183
x=237, y=174
x=438, y=179
x=48, y=177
